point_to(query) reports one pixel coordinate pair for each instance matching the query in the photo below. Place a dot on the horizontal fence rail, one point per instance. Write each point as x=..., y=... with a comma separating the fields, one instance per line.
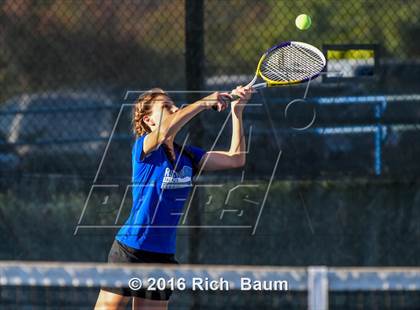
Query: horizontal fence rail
x=316, y=280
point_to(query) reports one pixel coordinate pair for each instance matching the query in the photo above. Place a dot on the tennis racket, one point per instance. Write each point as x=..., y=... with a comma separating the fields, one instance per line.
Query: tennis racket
x=287, y=63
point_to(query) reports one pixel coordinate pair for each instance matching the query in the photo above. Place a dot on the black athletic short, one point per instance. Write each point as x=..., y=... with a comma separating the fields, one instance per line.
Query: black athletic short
x=120, y=253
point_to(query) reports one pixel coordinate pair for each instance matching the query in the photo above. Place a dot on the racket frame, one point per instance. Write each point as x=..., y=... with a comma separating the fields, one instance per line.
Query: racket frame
x=271, y=83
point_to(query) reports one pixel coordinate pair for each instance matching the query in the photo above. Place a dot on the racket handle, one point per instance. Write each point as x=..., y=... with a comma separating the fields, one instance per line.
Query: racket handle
x=234, y=97
x=227, y=100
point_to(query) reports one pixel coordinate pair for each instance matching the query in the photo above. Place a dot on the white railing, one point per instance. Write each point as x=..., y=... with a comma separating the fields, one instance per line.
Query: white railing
x=318, y=281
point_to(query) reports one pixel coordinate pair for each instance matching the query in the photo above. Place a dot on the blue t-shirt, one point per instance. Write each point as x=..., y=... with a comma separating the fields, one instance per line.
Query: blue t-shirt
x=159, y=195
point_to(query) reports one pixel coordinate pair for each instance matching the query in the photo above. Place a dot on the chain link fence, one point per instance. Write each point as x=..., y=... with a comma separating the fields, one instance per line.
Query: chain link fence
x=62, y=60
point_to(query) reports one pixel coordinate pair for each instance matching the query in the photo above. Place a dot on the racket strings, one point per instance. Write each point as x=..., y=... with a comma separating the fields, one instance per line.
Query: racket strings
x=291, y=63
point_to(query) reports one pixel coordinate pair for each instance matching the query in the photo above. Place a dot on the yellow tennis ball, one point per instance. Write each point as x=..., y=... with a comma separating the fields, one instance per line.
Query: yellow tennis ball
x=303, y=21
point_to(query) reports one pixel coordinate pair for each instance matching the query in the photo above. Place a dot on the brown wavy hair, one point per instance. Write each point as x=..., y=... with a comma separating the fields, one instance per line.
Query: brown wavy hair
x=142, y=107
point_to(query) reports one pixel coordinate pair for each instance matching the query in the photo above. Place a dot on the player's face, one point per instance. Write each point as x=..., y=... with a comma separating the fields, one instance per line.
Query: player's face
x=162, y=107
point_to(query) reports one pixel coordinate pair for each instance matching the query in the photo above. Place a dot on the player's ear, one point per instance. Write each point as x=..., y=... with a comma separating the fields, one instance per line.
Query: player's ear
x=148, y=120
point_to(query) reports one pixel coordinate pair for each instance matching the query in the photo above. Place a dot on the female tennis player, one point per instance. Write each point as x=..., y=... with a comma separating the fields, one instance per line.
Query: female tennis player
x=162, y=175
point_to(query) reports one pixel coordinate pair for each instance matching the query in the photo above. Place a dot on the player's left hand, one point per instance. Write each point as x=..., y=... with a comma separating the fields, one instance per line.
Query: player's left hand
x=244, y=94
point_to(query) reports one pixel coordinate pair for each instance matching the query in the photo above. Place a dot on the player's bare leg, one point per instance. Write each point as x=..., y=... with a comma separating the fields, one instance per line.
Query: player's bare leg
x=111, y=301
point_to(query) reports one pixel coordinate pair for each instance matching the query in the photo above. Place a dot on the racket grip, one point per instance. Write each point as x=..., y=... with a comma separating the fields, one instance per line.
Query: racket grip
x=227, y=100
x=234, y=97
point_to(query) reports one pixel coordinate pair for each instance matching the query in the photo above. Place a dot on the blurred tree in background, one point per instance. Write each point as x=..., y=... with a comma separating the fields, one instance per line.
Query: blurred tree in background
x=55, y=44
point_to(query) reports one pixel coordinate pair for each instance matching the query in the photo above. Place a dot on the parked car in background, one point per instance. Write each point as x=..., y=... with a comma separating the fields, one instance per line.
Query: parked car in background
x=50, y=129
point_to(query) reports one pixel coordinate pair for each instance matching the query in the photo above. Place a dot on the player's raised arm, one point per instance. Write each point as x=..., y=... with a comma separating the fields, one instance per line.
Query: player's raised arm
x=235, y=156
x=159, y=119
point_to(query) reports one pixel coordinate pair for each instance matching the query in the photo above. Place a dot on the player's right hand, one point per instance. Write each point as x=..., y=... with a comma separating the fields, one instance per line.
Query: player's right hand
x=218, y=101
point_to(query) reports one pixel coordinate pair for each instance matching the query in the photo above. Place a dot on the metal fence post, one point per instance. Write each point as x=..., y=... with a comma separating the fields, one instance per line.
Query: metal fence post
x=194, y=74
x=318, y=288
